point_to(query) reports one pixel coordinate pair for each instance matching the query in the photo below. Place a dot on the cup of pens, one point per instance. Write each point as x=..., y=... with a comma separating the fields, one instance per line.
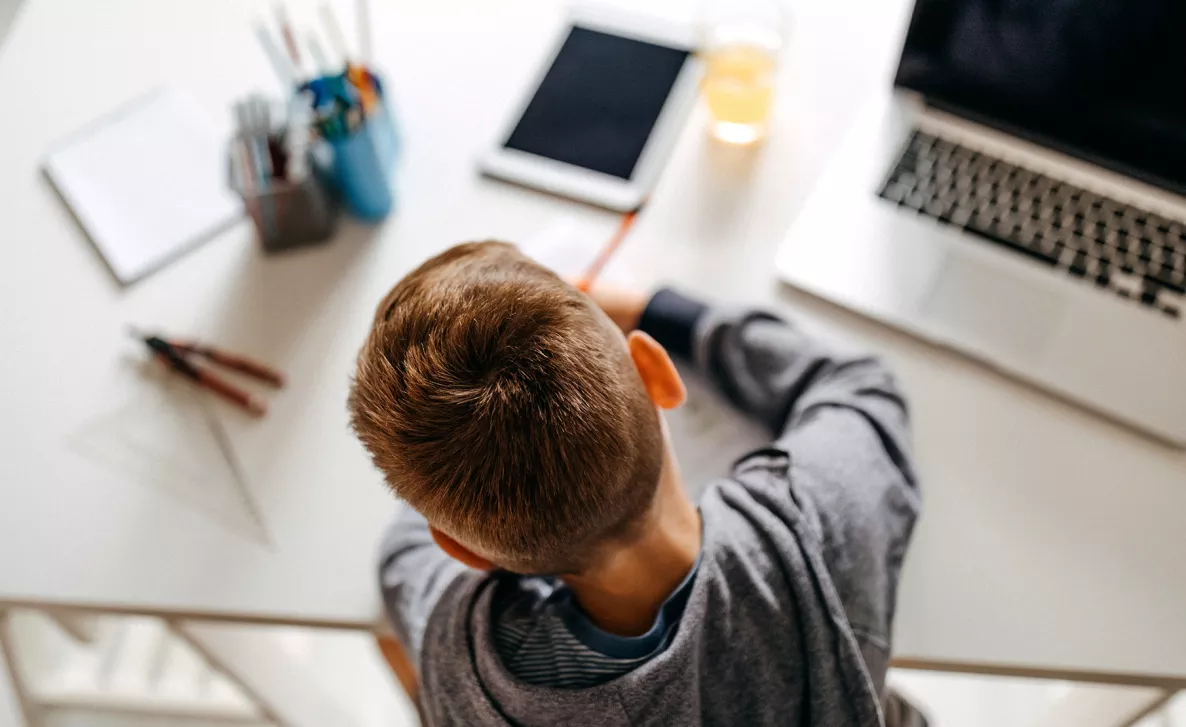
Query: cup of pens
x=271, y=166
x=353, y=118
x=344, y=117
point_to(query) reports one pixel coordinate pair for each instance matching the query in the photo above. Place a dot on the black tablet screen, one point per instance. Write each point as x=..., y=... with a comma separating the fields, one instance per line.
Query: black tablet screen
x=599, y=102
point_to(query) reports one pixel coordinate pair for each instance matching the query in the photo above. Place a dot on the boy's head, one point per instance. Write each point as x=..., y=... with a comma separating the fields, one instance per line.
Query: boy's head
x=505, y=407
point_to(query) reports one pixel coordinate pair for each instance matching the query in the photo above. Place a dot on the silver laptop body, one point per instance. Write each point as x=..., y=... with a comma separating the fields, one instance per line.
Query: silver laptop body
x=1096, y=343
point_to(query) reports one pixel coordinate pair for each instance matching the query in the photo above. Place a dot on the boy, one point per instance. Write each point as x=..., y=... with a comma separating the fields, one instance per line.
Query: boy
x=551, y=569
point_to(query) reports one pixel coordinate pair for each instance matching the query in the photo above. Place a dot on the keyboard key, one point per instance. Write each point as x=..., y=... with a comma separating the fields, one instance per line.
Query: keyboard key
x=1104, y=278
x=895, y=192
x=989, y=233
x=1164, y=279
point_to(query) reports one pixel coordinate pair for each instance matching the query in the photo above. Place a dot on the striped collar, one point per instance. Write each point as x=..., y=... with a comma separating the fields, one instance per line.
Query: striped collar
x=625, y=647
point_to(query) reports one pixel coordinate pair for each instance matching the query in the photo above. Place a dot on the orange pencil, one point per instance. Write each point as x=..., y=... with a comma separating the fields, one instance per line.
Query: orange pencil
x=586, y=281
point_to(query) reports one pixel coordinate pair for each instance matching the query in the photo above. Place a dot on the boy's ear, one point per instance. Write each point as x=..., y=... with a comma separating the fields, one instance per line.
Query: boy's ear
x=459, y=552
x=658, y=373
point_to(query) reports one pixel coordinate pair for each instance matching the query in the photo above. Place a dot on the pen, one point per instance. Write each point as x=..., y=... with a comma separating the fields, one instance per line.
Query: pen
x=247, y=176
x=252, y=116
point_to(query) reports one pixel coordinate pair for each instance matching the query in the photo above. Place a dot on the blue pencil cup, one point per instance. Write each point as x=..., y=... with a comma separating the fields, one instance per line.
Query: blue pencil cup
x=364, y=166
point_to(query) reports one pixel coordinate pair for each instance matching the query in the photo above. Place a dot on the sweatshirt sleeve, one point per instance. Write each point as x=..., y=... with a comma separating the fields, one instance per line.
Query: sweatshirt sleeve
x=841, y=422
x=413, y=574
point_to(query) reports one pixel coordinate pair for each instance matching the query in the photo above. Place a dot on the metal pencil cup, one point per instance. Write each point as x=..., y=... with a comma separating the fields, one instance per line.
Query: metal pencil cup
x=289, y=214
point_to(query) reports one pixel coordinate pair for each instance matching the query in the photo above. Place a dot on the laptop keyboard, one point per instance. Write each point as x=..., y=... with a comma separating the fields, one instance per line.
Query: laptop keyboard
x=1136, y=254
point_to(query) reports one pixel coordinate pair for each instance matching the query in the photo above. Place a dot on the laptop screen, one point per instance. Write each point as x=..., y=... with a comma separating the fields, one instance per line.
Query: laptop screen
x=1102, y=79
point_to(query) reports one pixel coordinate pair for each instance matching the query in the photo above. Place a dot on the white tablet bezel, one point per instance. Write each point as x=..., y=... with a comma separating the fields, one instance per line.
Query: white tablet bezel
x=569, y=180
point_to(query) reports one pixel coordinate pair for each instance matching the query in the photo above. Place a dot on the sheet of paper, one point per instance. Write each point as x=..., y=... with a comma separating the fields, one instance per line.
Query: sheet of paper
x=146, y=183
x=563, y=246
x=707, y=432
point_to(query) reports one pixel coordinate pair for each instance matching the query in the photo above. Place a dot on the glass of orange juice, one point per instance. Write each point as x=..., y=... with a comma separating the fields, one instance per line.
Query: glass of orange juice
x=742, y=43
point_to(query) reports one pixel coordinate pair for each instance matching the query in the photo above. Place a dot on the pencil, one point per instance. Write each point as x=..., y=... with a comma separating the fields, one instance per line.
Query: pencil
x=289, y=37
x=586, y=281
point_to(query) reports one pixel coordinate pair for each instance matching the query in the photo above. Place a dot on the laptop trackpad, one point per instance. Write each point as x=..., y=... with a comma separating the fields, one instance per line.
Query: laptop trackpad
x=992, y=309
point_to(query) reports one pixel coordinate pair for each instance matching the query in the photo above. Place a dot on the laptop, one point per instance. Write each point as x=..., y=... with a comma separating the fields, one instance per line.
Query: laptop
x=1017, y=196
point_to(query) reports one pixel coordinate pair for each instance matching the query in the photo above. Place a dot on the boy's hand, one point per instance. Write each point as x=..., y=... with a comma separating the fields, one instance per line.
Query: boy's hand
x=624, y=307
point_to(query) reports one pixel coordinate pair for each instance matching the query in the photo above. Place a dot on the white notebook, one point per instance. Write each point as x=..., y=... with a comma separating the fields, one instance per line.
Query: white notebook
x=146, y=183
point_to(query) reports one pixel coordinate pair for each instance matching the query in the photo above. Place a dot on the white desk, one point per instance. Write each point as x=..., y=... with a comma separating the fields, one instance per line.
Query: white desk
x=1051, y=542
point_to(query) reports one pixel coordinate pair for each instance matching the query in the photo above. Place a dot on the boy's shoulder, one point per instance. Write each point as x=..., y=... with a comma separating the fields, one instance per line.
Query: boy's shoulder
x=758, y=598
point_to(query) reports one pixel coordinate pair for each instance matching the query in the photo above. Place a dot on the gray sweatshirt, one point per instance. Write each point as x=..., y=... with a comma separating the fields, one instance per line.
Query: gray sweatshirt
x=788, y=618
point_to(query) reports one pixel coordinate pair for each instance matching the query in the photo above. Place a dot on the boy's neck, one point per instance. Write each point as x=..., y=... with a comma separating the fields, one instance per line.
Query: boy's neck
x=624, y=593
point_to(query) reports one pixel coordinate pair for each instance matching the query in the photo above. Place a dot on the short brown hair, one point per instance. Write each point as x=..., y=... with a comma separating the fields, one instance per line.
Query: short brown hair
x=502, y=404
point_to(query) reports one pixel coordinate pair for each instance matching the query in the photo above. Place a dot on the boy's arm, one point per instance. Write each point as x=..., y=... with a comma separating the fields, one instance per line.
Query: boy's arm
x=843, y=423
x=413, y=573
x=777, y=374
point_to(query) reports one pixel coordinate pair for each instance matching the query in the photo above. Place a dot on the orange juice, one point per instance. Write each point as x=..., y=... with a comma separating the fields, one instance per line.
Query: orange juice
x=739, y=88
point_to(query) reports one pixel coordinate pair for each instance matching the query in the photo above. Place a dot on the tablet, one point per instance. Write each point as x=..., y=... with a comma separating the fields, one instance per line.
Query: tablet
x=600, y=121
